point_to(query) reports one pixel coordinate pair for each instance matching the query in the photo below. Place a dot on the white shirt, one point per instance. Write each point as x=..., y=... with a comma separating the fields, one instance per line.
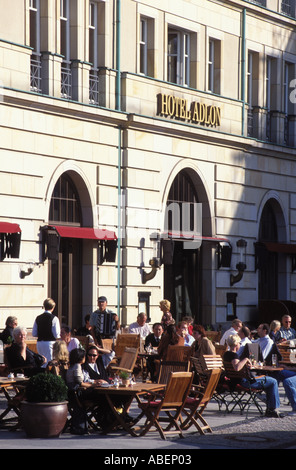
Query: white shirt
x=143, y=331
x=226, y=335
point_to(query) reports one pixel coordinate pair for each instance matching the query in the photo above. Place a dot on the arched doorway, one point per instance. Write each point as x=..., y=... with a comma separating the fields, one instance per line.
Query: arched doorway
x=184, y=275
x=268, y=274
x=65, y=273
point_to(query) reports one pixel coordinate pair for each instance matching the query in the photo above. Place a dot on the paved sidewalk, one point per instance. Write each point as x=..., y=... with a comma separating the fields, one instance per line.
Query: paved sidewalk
x=230, y=431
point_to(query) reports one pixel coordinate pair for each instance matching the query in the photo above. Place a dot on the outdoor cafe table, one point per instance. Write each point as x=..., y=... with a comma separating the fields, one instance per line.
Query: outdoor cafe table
x=144, y=356
x=6, y=385
x=268, y=369
x=131, y=392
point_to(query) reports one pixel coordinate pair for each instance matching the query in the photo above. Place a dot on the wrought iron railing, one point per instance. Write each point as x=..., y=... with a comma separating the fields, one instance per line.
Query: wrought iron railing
x=286, y=129
x=94, y=87
x=250, y=123
x=35, y=77
x=268, y=125
x=286, y=7
x=66, y=80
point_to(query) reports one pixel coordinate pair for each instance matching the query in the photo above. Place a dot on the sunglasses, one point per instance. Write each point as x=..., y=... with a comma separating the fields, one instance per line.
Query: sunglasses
x=93, y=355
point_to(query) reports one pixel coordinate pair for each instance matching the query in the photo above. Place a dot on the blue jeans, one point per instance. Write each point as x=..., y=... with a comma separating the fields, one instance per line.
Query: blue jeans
x=270, y=386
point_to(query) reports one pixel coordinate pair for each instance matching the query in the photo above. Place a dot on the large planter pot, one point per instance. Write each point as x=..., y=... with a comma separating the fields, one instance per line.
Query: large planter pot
x=43, y=419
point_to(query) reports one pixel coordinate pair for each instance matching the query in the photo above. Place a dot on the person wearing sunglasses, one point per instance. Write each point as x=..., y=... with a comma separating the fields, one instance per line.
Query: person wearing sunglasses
x=286, y=331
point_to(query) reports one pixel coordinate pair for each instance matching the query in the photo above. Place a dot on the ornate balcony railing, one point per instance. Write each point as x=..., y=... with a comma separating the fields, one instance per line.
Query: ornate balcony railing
x=66, y=80
x=94, y=87
x=286, y=7
x=35, y=78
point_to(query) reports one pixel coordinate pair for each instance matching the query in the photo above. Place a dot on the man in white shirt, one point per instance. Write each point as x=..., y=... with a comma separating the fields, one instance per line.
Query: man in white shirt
x=235, y=327
x=264, y=340
x=47, y=329
x=140, y=327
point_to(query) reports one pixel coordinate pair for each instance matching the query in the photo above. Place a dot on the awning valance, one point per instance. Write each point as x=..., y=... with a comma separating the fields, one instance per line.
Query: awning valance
x=289, y=248
x=190, y=236
x=85, y=233
x=8, y=227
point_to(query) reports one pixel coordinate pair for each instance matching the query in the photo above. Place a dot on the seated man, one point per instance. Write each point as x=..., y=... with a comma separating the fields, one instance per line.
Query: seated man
x=286, y=332
x=183, y=331
x=140, y=327
x=153, y=340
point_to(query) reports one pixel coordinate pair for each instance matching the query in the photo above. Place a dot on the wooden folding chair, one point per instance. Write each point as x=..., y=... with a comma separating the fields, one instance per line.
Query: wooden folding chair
x=203, y=367
x=127, y=361
x=166, y=367
x=126, y=340
x=195, y=406
x=170, y=403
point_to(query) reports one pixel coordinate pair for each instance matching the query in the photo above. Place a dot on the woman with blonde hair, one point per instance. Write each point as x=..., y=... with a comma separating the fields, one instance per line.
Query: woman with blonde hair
x=274, y=329
x=60, y=360
x=167, y=318
x=268, y=384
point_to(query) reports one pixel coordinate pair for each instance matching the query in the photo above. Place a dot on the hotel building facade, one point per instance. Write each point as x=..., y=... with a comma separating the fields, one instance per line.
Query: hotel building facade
x=147, y=151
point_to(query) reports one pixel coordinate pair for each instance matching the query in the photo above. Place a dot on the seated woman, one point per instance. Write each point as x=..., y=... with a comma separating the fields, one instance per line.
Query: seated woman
x=7, y=334
x=202, y=345
x=269, y=384
x=20, y=358
x=170, y=337
x=60, y=361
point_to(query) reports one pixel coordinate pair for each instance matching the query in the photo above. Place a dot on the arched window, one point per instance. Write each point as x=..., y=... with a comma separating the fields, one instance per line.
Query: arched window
x=65, y=205
x=183, y=197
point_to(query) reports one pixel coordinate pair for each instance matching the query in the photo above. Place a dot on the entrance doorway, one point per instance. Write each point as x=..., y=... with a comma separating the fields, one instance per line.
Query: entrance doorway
x=65, y=273
x=182, y=276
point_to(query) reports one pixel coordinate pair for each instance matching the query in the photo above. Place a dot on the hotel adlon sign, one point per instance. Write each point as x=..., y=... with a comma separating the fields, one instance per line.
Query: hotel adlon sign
x=196, y=112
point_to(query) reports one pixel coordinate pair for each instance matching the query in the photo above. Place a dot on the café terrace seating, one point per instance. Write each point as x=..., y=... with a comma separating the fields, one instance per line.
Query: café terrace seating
x=167, y=407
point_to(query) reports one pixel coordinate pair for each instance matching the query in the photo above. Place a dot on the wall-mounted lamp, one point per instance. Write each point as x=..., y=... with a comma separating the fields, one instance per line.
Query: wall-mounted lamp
x=154, y=261
x=24, y=274
x=241, y=265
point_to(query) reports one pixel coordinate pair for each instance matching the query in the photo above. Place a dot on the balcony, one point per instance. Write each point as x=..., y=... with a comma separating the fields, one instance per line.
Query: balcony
x=66, y=80
x=35, y=73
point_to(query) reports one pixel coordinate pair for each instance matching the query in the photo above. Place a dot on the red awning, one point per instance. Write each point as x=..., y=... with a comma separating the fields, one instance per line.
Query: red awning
x=7, y=227
x=289, y=248
x=190, y=236
x=88, y=233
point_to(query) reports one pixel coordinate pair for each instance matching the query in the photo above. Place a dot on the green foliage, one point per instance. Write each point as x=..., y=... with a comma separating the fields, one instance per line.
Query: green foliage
x=123, y=375
x=46, y=388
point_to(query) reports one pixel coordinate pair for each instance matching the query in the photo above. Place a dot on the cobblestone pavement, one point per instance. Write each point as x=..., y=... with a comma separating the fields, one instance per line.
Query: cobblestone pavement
x=230, y=431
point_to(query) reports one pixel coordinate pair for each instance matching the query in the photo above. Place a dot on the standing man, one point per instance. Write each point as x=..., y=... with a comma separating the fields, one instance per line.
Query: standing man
x=103, y=322
x=47, y=329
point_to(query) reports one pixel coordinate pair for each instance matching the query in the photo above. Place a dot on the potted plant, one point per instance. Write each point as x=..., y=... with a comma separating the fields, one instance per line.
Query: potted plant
x=124, y=378
x=44, y=413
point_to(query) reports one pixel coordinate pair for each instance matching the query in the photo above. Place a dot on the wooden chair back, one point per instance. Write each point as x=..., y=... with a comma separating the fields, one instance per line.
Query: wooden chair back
x=214, y=336
x=107, y=343
x=212, y=361
x=178, y=353
x=177, y=390
x=127, y=361
x=126, y=340
x=84, y=341
x=220, y=349
x=166, y=367
x=210, y=387
x=231, y=373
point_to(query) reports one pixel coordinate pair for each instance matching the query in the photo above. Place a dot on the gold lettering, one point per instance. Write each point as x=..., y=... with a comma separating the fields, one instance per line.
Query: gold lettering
x=195, y=111
x=183, y=109
x=171, y=105
x=164, y=104
x=202, y=114
x=218, y=116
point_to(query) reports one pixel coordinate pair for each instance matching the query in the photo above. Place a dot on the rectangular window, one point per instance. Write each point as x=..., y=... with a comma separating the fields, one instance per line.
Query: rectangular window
x=143, y=46
x=286, y=7
x=178, y=66
x=214, y=61
x=93, y=53
x=66, y=78
x=35, y=80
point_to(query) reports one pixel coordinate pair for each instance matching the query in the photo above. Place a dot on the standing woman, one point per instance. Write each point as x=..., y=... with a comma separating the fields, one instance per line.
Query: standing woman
x=167, y=318
x=202, y=345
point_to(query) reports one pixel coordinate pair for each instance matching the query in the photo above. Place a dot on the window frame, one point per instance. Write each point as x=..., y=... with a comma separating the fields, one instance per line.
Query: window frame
x=182, y=55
